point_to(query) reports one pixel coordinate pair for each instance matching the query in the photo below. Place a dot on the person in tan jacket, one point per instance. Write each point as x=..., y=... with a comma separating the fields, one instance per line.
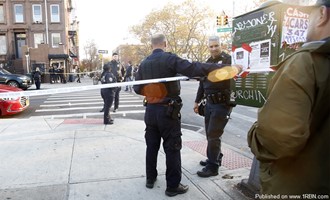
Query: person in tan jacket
x=291, y=137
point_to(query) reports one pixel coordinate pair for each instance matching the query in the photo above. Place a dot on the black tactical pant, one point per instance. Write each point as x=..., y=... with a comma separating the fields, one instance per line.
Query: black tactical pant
x=37, y=83
x=107, y=95
x=160, y=126
x=216, y=118
x=116, y=97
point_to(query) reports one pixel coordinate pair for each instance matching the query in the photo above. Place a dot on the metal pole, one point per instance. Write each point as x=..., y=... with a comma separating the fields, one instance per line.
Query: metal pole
x=27, y=64
x=27, y=56
x=233, y=8
x=252, y=184
x=102, y=63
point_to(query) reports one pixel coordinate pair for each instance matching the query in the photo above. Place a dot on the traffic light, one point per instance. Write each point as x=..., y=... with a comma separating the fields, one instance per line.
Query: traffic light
x=219, y=20
x=225, y=20
x=222, y=20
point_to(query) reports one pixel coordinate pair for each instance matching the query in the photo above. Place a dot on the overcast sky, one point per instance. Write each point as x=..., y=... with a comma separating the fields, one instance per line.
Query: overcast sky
x=108, y=22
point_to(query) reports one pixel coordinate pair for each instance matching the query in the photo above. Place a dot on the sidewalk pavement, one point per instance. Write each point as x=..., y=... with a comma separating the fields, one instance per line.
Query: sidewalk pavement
x=83, y=159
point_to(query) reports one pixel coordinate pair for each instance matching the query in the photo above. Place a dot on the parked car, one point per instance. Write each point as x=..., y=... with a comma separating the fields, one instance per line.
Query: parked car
x=9, y=106
x=15, y=80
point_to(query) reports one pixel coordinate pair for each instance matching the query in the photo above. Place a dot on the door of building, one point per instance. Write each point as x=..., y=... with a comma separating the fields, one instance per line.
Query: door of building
x=20, y=40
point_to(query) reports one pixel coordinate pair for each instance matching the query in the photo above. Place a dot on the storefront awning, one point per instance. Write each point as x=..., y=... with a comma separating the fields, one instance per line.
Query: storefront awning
x=72, y=55
x=58, y=56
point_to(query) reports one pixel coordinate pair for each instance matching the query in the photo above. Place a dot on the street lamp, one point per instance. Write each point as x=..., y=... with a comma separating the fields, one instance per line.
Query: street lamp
x=27, y=55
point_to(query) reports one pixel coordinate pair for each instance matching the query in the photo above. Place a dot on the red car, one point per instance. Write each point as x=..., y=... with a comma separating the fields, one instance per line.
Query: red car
x=9, y=106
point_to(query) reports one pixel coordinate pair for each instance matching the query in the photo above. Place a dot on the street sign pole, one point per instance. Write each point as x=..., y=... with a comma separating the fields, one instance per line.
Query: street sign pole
x=101, y=52
x=102, y=63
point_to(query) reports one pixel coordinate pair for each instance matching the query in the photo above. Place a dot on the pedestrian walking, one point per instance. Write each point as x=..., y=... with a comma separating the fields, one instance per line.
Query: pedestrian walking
x=61, y=74
x=57, y=74
x=291, y=138
x=52, y=74
x=162, y=115
x=134, y=71
x=78, y=74
x=128, y=76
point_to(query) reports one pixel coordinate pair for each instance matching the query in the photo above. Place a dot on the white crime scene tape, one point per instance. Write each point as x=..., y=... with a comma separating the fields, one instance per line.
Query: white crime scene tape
x=83, y=88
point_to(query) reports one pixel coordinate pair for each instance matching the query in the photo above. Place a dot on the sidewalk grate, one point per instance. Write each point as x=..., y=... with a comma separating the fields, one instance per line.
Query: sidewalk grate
x=230, y=160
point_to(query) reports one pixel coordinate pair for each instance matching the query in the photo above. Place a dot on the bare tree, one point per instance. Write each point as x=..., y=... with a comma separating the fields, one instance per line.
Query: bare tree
x=185, y=27
x=91, y=55
x=131, y=53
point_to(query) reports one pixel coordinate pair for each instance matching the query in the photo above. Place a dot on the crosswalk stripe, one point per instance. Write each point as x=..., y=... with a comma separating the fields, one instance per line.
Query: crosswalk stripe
x=84, y=108
x=76, y=94
x=85, y=103
x=89, y=96
x=84, y=115
x=70, y=104
x=89, y=100
x=73, y=100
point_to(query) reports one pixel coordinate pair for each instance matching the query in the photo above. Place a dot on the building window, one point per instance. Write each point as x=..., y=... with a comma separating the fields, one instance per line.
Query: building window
x=2, y=14
x=37, y=15
x=38, y=39
x=18, y=10
x=56, y=39
x=55, y=13
x=3, y=45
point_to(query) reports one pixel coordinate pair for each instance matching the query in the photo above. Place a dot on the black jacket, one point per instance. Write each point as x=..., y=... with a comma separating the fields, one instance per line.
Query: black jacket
x=208, y=87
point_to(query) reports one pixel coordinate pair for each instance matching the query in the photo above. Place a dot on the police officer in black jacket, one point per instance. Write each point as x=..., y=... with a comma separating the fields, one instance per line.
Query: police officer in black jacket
x=37, y=78
x=107, y=93
x=217, y=110
x=116, y=70
x=162, y=116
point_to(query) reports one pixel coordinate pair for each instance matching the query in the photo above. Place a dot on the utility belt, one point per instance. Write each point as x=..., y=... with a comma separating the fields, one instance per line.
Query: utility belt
x=216, y=98
x=173, y=107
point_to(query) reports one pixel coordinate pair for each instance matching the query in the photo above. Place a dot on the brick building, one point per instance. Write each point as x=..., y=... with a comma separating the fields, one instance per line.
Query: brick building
x=38, y=33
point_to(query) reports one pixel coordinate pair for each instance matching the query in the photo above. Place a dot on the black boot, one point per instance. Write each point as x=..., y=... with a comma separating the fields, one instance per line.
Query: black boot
x=108, y=120
x=205, y=162
x=150, y=183
x=208, y=171
x=181, y=189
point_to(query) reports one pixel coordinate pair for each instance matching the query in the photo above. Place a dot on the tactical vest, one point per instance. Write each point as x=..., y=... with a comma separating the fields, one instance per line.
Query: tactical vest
x=157, y=68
